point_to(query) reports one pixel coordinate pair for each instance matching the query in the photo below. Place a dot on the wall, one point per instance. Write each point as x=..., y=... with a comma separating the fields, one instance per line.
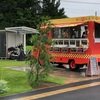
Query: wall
x=14, y=39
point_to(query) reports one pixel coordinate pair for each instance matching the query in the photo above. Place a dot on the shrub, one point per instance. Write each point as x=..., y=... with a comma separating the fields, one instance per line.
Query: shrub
x=40, y=60
x=3, y=86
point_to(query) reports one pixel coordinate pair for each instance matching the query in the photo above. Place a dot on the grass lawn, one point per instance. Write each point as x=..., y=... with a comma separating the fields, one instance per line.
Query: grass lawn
x=28, y=48
x=17, y=80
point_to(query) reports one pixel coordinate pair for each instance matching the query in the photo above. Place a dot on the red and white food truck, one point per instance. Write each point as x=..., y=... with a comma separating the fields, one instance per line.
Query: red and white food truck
x=81, y=42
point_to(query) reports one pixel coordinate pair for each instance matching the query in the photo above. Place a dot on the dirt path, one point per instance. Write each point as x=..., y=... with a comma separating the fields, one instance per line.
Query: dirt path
x=70, y=76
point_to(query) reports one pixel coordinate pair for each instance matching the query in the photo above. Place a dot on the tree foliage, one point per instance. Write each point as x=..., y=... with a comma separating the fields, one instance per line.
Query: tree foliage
x=51, y=8
x=40, y=60
x=28, y=12
x=18, y=13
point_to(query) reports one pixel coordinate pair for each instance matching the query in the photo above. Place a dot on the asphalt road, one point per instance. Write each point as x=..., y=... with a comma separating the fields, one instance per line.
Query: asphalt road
x=85, y=90
x=91, y=93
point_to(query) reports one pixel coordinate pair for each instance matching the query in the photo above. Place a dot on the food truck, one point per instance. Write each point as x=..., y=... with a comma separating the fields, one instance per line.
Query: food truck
x=82, y=40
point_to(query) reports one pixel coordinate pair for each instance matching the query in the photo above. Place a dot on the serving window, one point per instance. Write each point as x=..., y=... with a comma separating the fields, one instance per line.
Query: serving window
x=97, y=32
x=66, y=32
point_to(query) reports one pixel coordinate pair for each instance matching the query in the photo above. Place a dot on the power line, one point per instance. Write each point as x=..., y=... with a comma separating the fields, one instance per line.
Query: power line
x=80, y=2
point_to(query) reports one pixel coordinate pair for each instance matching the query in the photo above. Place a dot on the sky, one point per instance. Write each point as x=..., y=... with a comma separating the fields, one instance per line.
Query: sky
x=76, y=8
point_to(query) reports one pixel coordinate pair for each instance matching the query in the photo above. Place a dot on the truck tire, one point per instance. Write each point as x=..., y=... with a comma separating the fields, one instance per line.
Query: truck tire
x=73, y=66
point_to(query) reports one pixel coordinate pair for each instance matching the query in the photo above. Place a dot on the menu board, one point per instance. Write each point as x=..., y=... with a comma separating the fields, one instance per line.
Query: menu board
x=93, y=65
x=92, y=68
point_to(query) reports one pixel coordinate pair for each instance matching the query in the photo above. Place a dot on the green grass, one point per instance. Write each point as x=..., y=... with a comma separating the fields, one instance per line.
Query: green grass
x=11, y=63
x=55, y=80
x=28, y=48
x=17, y=80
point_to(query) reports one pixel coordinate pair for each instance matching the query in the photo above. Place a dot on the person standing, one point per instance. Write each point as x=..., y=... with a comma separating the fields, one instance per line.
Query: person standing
x=65, y=35
x=84, y=35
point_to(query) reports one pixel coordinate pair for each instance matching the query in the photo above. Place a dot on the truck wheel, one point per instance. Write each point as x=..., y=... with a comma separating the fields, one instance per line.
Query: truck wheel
x=73, y=66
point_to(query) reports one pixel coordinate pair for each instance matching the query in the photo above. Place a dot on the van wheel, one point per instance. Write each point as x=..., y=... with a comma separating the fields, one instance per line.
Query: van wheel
x=73, y=66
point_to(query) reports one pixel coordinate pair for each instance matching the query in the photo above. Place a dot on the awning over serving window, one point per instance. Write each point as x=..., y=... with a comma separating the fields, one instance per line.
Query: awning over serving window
x=66, y=24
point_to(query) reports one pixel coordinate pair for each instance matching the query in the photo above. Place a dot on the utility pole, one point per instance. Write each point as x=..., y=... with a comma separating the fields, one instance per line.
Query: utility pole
x=95, y=13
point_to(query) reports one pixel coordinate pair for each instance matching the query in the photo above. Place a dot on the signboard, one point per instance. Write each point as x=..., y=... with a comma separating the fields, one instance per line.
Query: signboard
x=92, y=68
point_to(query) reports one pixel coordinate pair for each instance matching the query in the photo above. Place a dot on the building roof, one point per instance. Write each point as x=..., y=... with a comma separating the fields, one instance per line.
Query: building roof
x=22, y=30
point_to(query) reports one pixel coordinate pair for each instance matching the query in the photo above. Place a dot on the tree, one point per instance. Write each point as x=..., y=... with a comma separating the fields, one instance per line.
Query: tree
x=40, y=60
x=14, y=13
x=18, y=13
x=28, y=12
x=7, y=13
x=51, y=8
